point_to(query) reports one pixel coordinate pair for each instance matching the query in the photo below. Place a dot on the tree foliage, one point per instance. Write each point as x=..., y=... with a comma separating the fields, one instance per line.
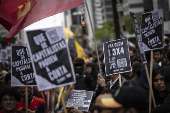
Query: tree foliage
x=106, y=32
x=2, y=41
x=128, y=23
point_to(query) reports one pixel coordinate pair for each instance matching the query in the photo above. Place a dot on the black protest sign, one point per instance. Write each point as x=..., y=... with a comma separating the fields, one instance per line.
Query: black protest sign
x=51, y=58
x=152, y=30
x=116, y=56
x=80, y=99
x=138, y=37
x=21, y=67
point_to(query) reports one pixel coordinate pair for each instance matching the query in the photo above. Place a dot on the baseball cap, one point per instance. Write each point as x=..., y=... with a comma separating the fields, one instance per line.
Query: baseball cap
x=79, y=61
x=3, y=73
x=128, y=96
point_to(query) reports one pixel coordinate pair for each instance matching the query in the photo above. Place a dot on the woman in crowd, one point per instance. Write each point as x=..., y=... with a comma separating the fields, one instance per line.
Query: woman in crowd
x=159, y=89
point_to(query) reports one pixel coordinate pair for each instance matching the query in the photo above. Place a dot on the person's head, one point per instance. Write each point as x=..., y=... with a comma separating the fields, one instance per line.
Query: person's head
x=22, y=91
x=8, y=79
x=157, y=55
x=127, y=99
x=113, y=77
x=3, y=73
x=9, y=99
x=95, y=61
x=136, y=68
x=168, y=56
x=148, y=55
x=131, y=53
x=167, y=78
x=79, y=63
x=90, y=68
x=158, y=80
x=99, y=107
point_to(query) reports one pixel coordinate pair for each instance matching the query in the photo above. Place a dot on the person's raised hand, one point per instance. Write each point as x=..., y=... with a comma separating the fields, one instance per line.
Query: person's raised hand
x=101, y=81
x=74, y=110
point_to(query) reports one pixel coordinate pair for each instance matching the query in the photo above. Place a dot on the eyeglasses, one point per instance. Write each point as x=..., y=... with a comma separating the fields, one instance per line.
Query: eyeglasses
x=10, y=100
x=99, y=109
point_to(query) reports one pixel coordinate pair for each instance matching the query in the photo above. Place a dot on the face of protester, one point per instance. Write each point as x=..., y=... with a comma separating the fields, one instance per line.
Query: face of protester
x=131, y=54
x=89, y=69
x=22, y=90
x=99, y=106
x=157, y=56
x=158, y=83
x=9, y=103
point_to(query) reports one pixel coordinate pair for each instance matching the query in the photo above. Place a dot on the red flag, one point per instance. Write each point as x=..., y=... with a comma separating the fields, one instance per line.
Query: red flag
x=18, y=14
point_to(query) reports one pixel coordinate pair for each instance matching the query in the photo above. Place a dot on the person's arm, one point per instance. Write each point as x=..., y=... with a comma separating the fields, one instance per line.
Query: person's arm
x=143, y=79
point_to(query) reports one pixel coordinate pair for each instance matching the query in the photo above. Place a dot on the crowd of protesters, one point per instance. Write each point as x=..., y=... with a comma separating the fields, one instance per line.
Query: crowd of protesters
x=109, y=97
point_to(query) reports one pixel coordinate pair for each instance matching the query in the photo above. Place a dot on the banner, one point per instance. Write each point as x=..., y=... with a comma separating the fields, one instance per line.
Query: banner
x=152, y=30
x=138, y=37
x=50, y=57
x=116, y=56
x=80, y=99
x=21, y=67
x=25, y=12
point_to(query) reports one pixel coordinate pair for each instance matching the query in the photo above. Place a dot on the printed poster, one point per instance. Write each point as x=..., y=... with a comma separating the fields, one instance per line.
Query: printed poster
x=22, y=73
x=152, y=30
x=116, y=56
x=51, y=58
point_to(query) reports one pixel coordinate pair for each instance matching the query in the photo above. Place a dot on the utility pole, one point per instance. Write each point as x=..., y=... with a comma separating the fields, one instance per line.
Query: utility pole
x=116, y=19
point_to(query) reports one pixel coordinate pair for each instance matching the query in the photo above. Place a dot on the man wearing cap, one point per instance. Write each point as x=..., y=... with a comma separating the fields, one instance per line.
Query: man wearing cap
x=83, y=79
x=3, y=73
x=128, y=99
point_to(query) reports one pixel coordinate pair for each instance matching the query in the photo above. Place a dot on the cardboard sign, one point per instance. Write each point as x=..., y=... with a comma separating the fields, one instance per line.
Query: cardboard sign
x=80, y=99
x=4, y=55
x=152, y=30
x=116, y=56
x=138, y=37
x=21, y=67
x=50, y=57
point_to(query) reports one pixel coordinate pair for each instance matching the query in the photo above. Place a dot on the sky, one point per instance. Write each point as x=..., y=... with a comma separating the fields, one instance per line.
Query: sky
x=52, y=21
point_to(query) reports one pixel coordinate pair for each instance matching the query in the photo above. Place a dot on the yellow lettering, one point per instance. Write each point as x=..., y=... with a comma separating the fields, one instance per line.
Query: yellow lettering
x=25, y=11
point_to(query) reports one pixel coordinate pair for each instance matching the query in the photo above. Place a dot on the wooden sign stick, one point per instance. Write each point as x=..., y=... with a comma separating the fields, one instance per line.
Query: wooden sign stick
x=26, y=99
x=120, y=81
x=151, y=67
x=63, y=103
x=154, y=103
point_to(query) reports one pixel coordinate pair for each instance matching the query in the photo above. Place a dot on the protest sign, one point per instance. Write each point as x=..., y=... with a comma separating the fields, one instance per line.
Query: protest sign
x=4, y=55
x=50, y=58
x=21, y=67
x=80, y=99
x=116, y=56
x=138, y=37
x=152, y=30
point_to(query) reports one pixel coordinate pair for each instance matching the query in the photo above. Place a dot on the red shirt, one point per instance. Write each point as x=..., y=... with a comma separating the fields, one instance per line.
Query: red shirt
x=33, y=106
x=1, y=111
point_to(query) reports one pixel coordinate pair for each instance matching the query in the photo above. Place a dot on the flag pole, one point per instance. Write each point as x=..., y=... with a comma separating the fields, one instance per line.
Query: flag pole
x=93, y=37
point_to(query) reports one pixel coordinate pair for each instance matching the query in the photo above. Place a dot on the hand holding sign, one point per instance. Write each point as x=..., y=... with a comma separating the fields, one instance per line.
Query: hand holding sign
x=74, y=110
x=101, y=81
